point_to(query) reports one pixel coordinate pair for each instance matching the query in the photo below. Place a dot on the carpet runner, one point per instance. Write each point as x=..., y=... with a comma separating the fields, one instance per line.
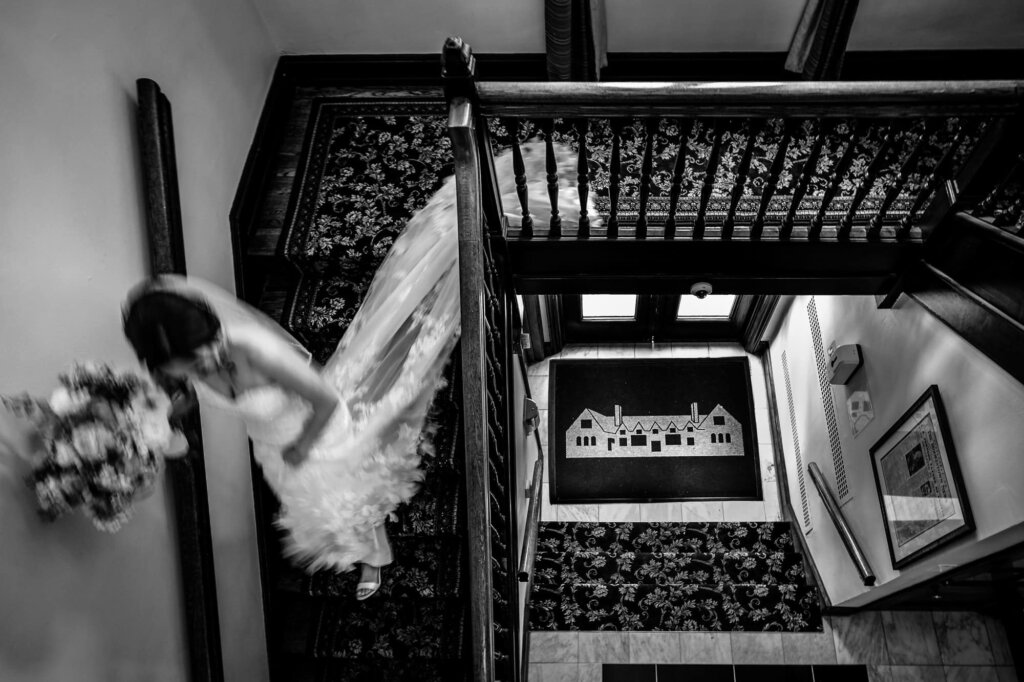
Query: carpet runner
x=671, y=576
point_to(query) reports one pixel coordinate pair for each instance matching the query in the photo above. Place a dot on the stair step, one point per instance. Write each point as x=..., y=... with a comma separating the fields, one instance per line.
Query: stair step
x=737, y=566
x=424, y=567
x=619, y=537
x=714, y=607
x=373, y=629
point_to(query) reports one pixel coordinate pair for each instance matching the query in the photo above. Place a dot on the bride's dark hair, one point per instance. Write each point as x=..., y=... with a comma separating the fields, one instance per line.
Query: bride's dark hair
x=163, y=326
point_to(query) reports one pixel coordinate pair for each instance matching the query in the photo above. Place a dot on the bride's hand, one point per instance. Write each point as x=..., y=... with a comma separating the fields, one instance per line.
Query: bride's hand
x=296, y=453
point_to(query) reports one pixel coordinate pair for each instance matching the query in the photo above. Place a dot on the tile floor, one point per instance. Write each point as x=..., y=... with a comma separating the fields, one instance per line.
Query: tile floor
x=897, y=646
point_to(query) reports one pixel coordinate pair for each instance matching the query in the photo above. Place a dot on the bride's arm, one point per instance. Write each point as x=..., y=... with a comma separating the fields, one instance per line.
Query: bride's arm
x=293, y=373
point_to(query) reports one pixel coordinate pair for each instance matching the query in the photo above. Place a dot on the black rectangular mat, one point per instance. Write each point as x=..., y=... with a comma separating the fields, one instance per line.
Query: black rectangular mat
x=655, y=430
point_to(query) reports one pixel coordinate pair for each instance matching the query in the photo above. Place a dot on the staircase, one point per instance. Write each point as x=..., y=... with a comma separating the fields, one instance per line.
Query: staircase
x=671, y=576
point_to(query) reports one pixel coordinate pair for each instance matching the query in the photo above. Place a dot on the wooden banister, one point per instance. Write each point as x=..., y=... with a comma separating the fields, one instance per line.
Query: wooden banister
x=461, y=128
x=843, y=99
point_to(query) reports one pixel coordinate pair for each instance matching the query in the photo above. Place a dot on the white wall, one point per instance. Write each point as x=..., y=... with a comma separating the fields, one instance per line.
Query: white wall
x=400, y=26
x=905, y=351
x=77, y=604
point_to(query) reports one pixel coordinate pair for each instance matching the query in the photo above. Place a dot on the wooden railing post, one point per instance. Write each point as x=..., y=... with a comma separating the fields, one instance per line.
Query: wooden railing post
x=462, y=130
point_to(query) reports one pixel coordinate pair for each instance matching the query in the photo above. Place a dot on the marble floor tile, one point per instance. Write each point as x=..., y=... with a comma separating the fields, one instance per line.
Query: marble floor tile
x=809, y=648
x=644, y=350
x=706, y=648
x=743, y=510
x=916, y=673
x=574, y=351
x=772, y=507
x=604, y=647
x=879, y=673
x=962, y=638
x=616, y=351
x=860, y=639
x=539, y=391
x=764, y=648
x=576, y=512
x=910, y=637
x=971, y=673
x=660, y=511
x=554, y=647
x=688, y=350
x=555, y=672
x=764, y=431
x=590, y=672
x=997, y=638
x=694, y=512
x=726, y=350
x=654, y=647
x=618, y=512
x=547, y=510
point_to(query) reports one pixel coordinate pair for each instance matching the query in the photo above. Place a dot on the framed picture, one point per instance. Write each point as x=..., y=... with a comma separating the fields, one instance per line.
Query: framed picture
x=919, y=482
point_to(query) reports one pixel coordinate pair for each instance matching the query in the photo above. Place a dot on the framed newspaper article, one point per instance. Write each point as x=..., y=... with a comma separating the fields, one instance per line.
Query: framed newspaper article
x=919, y=483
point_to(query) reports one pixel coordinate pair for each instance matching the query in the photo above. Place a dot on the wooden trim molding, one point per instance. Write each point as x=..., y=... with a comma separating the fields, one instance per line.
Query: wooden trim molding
x=186, y=475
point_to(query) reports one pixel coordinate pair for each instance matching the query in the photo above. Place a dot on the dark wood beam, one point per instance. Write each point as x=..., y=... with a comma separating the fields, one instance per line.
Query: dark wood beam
x=819, y=42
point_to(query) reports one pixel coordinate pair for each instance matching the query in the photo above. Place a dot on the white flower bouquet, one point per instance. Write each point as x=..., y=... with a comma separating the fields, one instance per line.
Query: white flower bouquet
x=105, y=433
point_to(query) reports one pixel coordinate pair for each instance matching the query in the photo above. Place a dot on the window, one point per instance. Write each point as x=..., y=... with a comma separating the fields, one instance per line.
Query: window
x=655, y=432
x=609, y=307
x=689, y=429
x=689, y=441
x=622, y=432
x=714, y=437
x=655, y=446
x=623, y=441
x=718, y=421
x=638, y=440
x=672, y=430
x=611, y=444
x=710, y=308
x=589, y=424
x=728, y=438
x=579, y=441
x=673, y=439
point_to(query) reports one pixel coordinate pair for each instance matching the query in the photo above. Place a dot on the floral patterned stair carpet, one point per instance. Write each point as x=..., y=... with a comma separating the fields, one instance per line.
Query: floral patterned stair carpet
x=670, y=576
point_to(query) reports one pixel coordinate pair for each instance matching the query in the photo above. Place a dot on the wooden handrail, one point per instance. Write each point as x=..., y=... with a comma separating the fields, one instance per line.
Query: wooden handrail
x=841, y=99
x=860, y=559
x=461, y=128
x=529, y=552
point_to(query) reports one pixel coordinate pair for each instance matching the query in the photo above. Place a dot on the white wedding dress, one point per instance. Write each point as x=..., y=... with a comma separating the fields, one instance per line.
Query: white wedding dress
x=386, y=370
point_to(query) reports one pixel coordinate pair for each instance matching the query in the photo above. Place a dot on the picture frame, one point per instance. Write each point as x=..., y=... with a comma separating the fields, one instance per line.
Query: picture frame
x=920, y=488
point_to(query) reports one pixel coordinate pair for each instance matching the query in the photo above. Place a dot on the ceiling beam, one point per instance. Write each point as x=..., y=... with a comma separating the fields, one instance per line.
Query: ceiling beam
x=819, y=43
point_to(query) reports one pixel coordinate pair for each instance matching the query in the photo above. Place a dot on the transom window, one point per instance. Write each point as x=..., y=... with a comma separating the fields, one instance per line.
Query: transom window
x=609, y=307
x=709, y=308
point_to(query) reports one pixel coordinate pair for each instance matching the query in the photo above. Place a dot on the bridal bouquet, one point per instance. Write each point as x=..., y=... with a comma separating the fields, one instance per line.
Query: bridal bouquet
x=104, y=433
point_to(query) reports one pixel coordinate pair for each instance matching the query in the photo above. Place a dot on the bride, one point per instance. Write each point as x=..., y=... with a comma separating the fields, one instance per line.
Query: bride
x=337, y=444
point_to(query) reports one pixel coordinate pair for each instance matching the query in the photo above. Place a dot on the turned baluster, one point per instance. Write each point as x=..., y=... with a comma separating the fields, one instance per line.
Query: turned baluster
x=778, y=163
x=555, y=226
x=645, y=178
x=808, y=172
x=613, y=186
x=582, y=178
x=868, y=181
x=519, y=169
x=709, y=179
x=937, y=176
x=906, y=168
x=678, y=169
x=753, y=128
x=838, y=173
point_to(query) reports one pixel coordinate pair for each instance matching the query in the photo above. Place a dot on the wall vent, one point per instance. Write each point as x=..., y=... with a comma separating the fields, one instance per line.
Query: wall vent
x=796, y=445
x=842, y=487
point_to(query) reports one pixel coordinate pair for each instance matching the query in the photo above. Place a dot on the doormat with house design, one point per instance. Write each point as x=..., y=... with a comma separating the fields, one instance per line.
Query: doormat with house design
x=655, y=430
